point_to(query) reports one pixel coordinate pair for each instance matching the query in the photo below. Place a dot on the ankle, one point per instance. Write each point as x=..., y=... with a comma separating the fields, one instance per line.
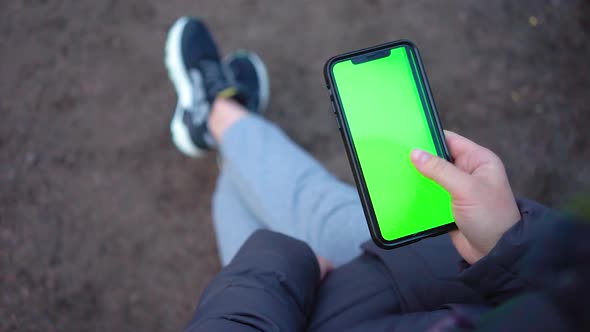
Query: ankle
x=224, y=114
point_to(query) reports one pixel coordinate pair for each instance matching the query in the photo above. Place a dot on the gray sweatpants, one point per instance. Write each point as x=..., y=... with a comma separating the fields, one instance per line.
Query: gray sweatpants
x=268, y=182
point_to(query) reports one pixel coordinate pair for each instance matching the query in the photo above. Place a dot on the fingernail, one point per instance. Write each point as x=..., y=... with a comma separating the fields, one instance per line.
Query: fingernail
x=419, y=156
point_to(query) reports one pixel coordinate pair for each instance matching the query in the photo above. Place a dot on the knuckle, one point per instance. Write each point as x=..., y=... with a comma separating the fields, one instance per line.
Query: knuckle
x=493, y=158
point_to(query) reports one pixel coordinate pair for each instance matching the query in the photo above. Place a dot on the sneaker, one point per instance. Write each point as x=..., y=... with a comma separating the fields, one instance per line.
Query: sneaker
x=196, y=71
x=248, y=73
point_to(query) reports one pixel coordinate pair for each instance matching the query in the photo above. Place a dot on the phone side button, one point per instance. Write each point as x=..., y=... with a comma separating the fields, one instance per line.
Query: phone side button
x=333, y=108
x=338, y=122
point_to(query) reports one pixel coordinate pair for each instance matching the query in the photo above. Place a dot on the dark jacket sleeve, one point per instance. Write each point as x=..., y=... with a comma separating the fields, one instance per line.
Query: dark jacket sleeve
x=499, y=275
x=270, y=285
x=544, y=263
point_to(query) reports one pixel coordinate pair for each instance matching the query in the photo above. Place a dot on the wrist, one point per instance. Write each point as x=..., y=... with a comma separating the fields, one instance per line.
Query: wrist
x=500, y=273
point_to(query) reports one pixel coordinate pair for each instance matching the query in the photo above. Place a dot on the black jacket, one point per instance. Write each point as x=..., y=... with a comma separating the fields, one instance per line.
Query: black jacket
x=535, y=279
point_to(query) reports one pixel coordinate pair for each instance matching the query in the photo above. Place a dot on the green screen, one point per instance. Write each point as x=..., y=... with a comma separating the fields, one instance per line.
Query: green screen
x=384, y=108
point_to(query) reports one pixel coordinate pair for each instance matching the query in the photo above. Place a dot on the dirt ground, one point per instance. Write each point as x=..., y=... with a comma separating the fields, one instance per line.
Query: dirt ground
x=104, y=226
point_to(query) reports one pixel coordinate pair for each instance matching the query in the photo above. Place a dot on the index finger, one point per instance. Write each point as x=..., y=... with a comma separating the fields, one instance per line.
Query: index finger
x=467, y=154
x=459, y=145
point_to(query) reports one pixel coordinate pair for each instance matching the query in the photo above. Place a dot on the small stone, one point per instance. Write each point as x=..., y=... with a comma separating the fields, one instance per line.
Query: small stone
x=515, y=96
x=31, y=158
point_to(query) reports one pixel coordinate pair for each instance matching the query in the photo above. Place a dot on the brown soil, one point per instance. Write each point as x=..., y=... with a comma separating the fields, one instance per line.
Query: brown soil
x=104, y=226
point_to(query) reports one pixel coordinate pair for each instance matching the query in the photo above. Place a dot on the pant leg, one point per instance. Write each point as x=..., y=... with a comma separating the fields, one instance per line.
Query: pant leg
x=290, y=192
x=232, y=220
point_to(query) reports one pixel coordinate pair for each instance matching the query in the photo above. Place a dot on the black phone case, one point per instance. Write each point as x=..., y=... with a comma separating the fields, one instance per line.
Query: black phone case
x=351, y=153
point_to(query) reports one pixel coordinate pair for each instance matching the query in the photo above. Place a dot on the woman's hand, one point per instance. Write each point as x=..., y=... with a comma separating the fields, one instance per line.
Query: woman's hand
x=482, y=201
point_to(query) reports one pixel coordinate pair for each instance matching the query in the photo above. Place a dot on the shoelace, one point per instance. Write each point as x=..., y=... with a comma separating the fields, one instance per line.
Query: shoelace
x=213, y=77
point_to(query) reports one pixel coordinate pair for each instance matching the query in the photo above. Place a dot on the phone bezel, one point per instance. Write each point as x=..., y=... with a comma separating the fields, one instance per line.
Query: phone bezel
x=351, y=152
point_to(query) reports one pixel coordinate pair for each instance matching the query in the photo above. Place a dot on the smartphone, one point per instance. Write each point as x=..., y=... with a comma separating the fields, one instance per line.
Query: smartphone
x=384, y=109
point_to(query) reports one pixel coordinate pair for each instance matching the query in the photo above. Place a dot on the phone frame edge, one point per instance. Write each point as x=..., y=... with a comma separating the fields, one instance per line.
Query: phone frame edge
x=351, y=152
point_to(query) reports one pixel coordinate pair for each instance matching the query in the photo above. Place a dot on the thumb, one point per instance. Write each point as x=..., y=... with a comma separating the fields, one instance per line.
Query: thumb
x=440, y=171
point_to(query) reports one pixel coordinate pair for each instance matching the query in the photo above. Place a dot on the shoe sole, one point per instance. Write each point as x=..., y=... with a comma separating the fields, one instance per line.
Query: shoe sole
x=261, y=72
x=184, y=89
